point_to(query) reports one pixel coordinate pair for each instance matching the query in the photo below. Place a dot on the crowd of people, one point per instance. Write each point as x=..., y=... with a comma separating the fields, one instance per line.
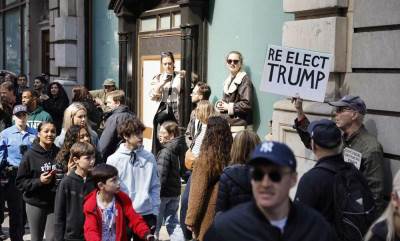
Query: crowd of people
x=78, y=170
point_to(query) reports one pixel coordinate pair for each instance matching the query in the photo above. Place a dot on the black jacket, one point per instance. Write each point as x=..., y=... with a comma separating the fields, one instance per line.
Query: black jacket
x=109, y=140
x=35, y=162
x=315, y=188
x=56, y=107
x=168, y=167
x=246, y=222
x=379, y=232
x=69, y=218
x=234, y=187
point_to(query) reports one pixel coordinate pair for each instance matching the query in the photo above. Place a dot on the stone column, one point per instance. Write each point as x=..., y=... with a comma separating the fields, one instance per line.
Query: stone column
x=67, y=37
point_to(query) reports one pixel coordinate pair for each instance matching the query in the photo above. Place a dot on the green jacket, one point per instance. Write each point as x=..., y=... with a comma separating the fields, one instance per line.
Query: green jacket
x=37, y=116
x=373, y=166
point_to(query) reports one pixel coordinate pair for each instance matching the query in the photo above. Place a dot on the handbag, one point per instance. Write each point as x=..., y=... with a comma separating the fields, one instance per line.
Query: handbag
x=166, y=112
x=189, y=159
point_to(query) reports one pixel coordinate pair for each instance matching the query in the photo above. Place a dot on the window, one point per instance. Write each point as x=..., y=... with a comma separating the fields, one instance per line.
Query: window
x=13, y=35
x=160, y=20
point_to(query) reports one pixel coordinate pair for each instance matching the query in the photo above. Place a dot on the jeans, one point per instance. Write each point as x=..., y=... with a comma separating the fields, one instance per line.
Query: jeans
x=184, y=207
x=41, y=221
x=169, y=215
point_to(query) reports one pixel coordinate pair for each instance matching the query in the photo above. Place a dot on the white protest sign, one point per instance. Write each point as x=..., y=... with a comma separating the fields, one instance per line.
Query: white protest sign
x=352, y=156
x=291, y=72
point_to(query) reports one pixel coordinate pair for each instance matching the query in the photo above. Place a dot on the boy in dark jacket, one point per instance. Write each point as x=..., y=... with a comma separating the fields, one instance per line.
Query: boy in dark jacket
x=107, y=210
x=168, y=171
x=69, y=218
x=109, y=139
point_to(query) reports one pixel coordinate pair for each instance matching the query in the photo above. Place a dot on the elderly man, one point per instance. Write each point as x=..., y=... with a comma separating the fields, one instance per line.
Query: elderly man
x=100, y=95
x=360, y=147
x=271, y=215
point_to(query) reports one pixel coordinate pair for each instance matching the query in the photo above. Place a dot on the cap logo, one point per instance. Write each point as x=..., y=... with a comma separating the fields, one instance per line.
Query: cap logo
x=266, y=147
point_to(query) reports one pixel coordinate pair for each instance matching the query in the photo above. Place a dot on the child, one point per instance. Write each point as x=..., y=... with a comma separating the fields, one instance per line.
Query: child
x=73, y=188
x=36, y=179
x=168, y=171
x=106, y=209
x=137, y=170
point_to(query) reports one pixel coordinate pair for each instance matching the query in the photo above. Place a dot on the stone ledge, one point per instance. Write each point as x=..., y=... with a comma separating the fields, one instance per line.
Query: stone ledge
x=327, y=35
x=379, y=91
x=65, y=28
x=372, y=13
x=293, y=6
x=309, y=107
x=376, y=49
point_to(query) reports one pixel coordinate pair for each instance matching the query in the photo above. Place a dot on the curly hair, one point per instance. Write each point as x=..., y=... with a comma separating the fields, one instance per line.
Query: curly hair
x=61, y=91
x=71, y=137
x=216, y=145
x=130, y=127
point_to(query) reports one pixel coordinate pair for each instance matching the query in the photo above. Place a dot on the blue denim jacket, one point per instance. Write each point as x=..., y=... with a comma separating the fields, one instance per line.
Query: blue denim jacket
x=11, y=140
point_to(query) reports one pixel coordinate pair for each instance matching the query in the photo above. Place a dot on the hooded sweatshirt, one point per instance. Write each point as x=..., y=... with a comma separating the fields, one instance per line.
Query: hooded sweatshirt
x=137, y=170
x=36, y=161
x=69, y=218
x=37, y=116
x=168, y=165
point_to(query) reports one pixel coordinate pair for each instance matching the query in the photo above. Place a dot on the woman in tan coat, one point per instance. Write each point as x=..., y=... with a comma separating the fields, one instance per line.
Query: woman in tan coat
x=214, y=156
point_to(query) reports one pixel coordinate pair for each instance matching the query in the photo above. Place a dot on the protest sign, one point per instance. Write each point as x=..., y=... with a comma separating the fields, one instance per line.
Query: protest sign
x=292, y=72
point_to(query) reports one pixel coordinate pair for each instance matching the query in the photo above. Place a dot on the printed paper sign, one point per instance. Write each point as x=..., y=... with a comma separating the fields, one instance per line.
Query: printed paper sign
x=352, y=156
x=296, y=72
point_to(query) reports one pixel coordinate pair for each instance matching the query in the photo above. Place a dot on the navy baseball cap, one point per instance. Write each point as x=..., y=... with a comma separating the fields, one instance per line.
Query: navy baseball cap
x=325, y=133
x=19, y=108
x=353, y=102
x=273, y=152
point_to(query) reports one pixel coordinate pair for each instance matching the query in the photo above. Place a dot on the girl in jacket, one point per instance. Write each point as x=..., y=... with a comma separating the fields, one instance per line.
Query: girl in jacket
x=35, y=178
x=166, y=89
x=75, y=114
x=168, y=170
x=214, y=156
x=74, y=134
x=56, y=103
x=94, y=113
x=387, y=226
x=234, y=183
x=236, y=103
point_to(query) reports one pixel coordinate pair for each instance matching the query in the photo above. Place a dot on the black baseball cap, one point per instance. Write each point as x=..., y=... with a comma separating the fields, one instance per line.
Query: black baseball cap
x=325, y=133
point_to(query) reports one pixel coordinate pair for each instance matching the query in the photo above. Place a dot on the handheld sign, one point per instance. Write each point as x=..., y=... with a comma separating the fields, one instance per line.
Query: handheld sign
x=296, y=72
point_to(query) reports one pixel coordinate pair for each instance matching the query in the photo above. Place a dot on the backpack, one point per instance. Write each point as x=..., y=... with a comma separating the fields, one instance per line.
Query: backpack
x=354, y=205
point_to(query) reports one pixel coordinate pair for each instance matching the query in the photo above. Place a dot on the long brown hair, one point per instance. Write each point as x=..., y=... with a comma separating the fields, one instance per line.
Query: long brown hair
x=216, y=145
x=243, y=144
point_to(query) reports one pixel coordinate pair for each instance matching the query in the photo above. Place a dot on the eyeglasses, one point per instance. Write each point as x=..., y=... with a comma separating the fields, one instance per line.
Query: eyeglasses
x=343, y=109
x=274, y=175
x=234, y=61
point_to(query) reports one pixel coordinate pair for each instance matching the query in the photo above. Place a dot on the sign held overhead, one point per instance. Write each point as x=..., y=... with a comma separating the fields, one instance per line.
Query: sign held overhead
x=296, y=72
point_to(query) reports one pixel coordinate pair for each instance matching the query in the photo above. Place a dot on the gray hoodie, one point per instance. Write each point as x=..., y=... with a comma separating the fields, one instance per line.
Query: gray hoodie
x=137, y=171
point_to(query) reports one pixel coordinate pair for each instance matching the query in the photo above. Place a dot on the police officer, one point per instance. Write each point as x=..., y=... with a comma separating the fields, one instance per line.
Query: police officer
x=14, y=142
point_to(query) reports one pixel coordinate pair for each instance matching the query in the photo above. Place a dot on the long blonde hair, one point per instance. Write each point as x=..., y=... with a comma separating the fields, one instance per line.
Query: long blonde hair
x=70, y=113
x=204, y=110
x=243, y=144
x=388, y=214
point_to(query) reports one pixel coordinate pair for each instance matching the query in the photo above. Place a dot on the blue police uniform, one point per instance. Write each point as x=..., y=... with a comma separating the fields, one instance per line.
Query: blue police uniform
x=12, y=142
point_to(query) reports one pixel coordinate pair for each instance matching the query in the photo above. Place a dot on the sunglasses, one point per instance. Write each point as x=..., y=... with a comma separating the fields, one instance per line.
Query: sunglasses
x=274, y=175
x=343, y=109
x=234, y=61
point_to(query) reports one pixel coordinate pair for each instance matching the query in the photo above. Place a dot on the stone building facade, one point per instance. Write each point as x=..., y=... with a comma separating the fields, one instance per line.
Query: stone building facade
x=364, y=37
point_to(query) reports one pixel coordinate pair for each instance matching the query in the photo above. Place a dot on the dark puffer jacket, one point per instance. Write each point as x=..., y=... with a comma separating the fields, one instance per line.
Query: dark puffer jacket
x=234, y=187
x=168, y=167
x=379, y=232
